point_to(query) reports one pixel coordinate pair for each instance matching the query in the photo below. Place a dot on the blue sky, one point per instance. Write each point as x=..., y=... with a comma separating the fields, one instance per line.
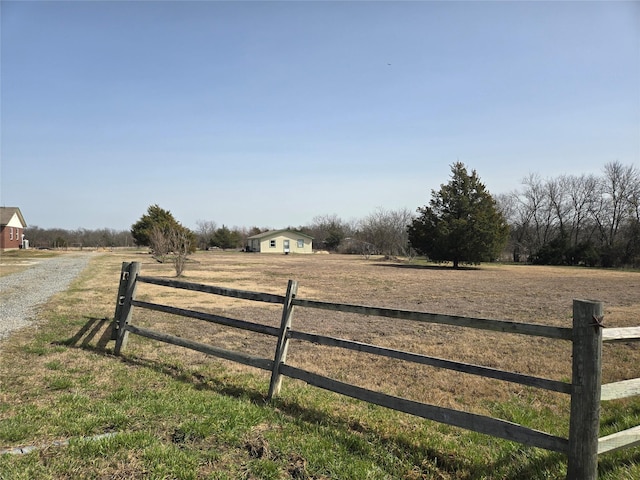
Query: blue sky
x=270, y=113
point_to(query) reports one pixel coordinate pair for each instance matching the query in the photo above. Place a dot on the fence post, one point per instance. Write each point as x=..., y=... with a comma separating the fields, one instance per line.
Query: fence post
x=123, y=310
x=584, y=424
x=283, y=341
x=122, y=289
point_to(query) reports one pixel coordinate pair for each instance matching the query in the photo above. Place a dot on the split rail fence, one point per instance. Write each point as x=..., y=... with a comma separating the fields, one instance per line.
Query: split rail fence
x=587, y=335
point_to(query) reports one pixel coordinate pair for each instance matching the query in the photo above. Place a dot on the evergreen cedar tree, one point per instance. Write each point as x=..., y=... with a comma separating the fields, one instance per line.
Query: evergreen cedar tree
x=159, y=217
x=461, y=224
x=225, y=238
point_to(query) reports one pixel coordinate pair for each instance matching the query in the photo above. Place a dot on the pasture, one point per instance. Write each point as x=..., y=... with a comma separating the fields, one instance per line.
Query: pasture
x=67, y=361
x=13, y=261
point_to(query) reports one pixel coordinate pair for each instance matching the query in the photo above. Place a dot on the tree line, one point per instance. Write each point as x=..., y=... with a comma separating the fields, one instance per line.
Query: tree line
x=80, y=238
x=381, y=232
x=587, y=219
x=569, y=220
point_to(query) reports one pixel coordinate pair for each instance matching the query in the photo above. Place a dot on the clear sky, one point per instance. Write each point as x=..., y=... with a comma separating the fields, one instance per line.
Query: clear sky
x=270, y=113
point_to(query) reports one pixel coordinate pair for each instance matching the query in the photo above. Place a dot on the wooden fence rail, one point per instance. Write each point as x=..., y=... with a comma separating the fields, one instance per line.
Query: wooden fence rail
x=583, y=445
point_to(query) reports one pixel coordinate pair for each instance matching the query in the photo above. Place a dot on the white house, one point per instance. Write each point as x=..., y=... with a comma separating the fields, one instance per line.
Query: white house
x=280, y=241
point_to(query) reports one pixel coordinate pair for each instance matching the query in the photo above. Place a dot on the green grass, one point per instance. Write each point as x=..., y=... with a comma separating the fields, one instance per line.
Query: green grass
x=205, y=421
x=174, y=422
x=189, y=423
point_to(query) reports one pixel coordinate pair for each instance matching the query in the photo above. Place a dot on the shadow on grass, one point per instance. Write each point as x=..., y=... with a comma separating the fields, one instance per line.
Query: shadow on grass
x=198, y=380
x=428, y=459
x=88, y=333
x=413, y=266
x=426, y=456
x=613, y=462
x=85, y=338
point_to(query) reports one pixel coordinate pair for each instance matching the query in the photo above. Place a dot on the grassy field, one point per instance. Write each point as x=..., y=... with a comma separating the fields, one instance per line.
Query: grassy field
x=180, y=414
x=13, y=261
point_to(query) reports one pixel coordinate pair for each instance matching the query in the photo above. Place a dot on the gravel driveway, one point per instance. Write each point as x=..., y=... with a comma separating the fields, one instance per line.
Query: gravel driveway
x=23, y=292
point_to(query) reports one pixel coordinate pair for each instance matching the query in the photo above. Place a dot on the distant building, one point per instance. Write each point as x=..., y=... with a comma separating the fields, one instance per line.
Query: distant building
x=12, y=227
x=280, y=241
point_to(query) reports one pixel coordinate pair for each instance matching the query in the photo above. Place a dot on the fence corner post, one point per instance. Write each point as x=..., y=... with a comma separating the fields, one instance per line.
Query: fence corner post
x=283, y=341
x=584, y=423
x=126, y=292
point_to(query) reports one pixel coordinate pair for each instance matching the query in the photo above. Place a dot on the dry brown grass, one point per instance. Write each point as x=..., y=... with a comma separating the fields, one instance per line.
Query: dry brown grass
x=519, y=293
x=62, y=364
x=13, y=261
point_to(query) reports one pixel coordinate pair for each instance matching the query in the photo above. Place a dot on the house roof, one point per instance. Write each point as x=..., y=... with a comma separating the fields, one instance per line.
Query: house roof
x=7, y=213
x=271, y=233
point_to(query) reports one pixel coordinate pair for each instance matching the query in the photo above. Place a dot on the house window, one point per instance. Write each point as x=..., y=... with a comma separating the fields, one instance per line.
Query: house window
x=300, y=243
x=11, y=233
x=272, y=243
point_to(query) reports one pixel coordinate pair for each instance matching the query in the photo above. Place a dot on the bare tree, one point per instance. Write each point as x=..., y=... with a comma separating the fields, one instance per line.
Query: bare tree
x=180, y=242
x=634, y=200
x=328, y=231
x=205, y=232
x=387, y=231
x=559, y=205
x=557, y=218
x=518, y=218
x=105, y=237
x=617, y=190
x=160, y=242
x=582, y=191
x=535, y=201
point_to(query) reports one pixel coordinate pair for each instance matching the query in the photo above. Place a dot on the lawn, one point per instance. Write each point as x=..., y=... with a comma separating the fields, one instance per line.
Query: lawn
x=175, y=413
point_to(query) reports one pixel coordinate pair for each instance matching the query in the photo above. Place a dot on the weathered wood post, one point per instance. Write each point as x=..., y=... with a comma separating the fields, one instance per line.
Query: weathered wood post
x=122, y=290
x=283, y=341
x=124, y=308
x=584, y=424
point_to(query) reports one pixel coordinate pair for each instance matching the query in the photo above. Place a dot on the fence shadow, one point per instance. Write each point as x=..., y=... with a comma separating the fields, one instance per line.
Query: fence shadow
x=296, y=411
x=87, y=334
x=613, y=462
x=101, y=329
x=197, y=380
x=587, y=361
x=412, y=266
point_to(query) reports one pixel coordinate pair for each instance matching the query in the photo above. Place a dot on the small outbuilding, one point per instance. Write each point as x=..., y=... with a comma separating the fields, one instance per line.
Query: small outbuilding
x=280, y=241
x=12, y=227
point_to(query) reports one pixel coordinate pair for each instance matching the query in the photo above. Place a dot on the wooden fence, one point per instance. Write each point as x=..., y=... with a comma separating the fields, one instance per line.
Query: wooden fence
x=586, y=390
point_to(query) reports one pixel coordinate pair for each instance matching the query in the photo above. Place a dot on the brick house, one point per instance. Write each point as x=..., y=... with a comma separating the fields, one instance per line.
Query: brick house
x=12, y=227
